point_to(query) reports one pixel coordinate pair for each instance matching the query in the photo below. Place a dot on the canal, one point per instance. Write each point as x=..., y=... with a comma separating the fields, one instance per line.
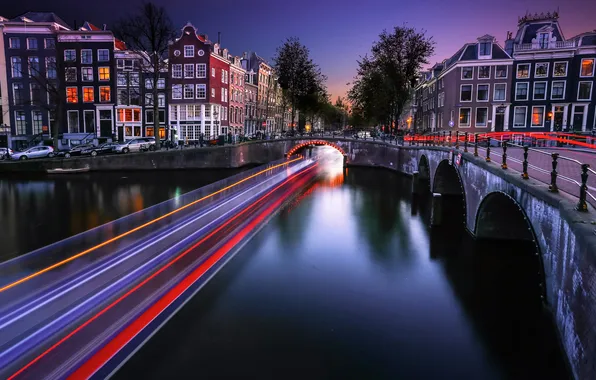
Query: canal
x=346, y=281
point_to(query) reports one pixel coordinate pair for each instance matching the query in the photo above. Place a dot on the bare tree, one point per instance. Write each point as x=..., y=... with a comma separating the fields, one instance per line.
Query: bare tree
x=149, y=32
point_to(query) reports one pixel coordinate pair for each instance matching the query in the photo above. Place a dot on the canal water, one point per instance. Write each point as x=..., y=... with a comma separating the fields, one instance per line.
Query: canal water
x=346, y=281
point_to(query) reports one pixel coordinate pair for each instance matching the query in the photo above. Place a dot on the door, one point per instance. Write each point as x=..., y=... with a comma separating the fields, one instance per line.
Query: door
x=578, y=118
x=499, y=122
x=121, y=133
x=558, y=119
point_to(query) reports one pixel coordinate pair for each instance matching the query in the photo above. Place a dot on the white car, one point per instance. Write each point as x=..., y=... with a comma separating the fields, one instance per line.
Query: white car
x=35, y=152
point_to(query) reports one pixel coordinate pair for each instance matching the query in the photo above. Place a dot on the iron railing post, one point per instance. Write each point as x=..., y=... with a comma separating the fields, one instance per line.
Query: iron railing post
x=475, y=145
x=583, y=189
x=450, y=139
x=504, y=164
x=487, y=149
x=553, y=175
x=456, y=139
x=525, y=164
x=466, y=142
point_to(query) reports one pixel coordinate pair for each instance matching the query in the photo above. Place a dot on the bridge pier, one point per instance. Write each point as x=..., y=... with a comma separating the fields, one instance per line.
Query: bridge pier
x=345, y=161
x=415, y=183
x=436, y=216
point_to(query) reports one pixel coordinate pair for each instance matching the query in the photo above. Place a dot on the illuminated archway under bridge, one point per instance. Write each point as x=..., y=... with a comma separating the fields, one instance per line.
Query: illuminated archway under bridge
x=311, y=143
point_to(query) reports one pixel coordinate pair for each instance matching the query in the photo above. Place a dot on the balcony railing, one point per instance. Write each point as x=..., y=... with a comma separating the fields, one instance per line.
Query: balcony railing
x=542, y=46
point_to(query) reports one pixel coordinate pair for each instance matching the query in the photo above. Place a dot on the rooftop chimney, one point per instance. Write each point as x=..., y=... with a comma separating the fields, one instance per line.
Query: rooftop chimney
x=105, y=27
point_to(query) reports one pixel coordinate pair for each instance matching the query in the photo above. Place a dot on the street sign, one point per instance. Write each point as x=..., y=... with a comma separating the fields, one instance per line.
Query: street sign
x=451, y=123
x=44, y=129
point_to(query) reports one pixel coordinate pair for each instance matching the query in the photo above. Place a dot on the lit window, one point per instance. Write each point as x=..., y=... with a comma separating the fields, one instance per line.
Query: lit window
x=189, y=70
x=482, y=93
x=560, y=69
x=103, y=55
x=104, y=94
x=483, y=72
x=104, y=73
x=72, y=95
x=86, y=56
x=519, y=116
x=539, y=91
x=558, y=90
x=87, y=74
x=177, y=91
x=70, y=55
x=177, y=71
x=201, y=70
x=541, y=70
x=523, y=70
x=14, y=43
x=464, y=117
x=584, y=91
x=587, y=69
x=538, y=116
x=189, y=51
x=521, y=91
x=32, y=43
x=88, y=95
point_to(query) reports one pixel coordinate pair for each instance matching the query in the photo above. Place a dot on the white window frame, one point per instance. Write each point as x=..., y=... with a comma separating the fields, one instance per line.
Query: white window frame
x=527, y=91
x=462, y=72
x=543, y=117
x=186, y=86
x=487, y=92
x=89, y=51
x=68, y=120
x=202, y=87
x=525, y=116
x=566, y=69
x=536, y=67
x=84, y=120
x=584, y=114
x=66, y=76
x=12, y=67
x=103, y=60
x=161, y=83
x=485, y=56
x=51, y=60
x=545, y=90
x=99, y=75
x=83, y=94
x=82, y=75
x=506, y=72
x=593, y=67
x=459, y=123
x=45, y=43
x=213, y=92
x=489, y=72
x=476, y=117
x=180, y=92
x=70, y=50
x=494, y=91
x=32, y=39
x=471, y=93
x=517, y=70
x=16, y=84
x=177, y=71
x=552, y=85
x=213, y=72
x=201, y=67
x=591, y=88
x=161, y=100
x=191, y=70
x=10, y=39
x=187, y=48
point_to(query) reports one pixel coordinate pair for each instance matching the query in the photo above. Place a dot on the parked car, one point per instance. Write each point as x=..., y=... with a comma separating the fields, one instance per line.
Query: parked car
x=35, y=152
x=5, y=153
x=104, y=148
x=136, y=145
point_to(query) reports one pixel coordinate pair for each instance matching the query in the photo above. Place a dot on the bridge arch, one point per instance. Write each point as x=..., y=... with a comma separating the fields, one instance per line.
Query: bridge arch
x=424, y=173
x=302, y=145
x=447, y=182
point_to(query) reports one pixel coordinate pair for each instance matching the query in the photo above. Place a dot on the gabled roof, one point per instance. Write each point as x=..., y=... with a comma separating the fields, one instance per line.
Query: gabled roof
x=118, y=44
x=469, y=52
x=585, y=39
x=528, y=31
x=41, y=17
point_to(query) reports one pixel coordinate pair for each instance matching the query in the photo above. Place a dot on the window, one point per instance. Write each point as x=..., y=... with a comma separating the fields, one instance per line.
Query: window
x=87, y=74
x=213, y=92
x=482, y=92
x=519, y=117
x=72, y=95
x=201, y=70
x=20, y=121
x=104, y=73
x=161, y=100
x=465, y=94
x=129, y=115
x=49, y=43
x=539, y=91
x=226, y=95
x=37, y=118
x=538, y=116
x=541, y=70
x=148, y=83
x=51, y=67
x=16, y=67
x=34, y=66
x=161, y=83
x=18, y=95
x=560, y=69
x=70, y=74
x=104, y=94
x=578, y=122
x=14, y=43
x=189, y=91
x=177, y=71
x=189, y=51
x=86, y=56
x=73, y=121
x=201, y=91
x=35, y=91
x=121, y=79
x=543, y=39
x=558, y=90
x=70, y=55
x=148, y=99
x=483, y=72
x=467, y=73
x=189, y=70
x=500, y=92
x=103, y=55
x=222, y=95
x=176, y=91
x=31, y=43
x=501, y=72
x=89, y=120
x=481, y=116
x=223, y=76
x=485, y=48
x=88, y=95
x=521, y=91
x=584, y=91
x=523, y=70
x=464, y=117
x=587, y=69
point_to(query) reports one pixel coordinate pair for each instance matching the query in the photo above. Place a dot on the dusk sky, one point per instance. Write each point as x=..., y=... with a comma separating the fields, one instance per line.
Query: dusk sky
x=337, y=32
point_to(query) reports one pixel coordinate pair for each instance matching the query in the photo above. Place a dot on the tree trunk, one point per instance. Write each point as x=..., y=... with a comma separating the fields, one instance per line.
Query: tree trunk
x=155, y=91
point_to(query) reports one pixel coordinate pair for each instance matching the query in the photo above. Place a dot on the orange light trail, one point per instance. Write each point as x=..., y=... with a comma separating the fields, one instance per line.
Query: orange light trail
x=153, y=221
x=212, y=259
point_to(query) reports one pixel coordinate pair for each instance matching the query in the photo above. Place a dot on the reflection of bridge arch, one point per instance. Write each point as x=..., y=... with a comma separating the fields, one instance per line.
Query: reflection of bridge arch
x=318, y=143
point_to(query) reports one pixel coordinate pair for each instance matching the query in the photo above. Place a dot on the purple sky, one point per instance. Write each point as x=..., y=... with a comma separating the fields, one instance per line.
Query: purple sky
x=337, y=32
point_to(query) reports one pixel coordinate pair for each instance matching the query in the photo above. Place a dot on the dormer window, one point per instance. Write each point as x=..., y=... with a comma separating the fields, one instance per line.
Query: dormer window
x=543, y=39
x=485, y=49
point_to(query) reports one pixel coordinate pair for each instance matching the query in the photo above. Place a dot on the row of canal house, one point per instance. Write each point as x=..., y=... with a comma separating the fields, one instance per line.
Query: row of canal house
x=104, y=91
x=538, y=81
